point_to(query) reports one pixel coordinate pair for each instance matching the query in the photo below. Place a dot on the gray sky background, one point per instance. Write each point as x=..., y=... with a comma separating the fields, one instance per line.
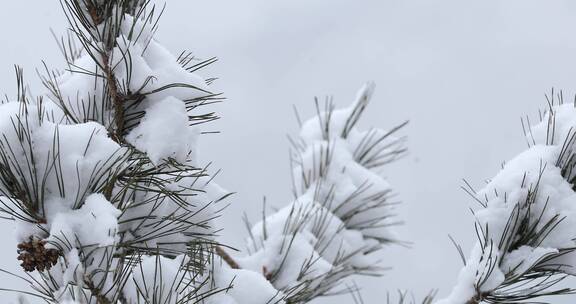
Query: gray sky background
x=463, y=72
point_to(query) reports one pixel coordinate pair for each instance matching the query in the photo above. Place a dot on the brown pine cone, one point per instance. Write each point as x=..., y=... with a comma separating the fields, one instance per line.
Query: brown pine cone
x=35, y=256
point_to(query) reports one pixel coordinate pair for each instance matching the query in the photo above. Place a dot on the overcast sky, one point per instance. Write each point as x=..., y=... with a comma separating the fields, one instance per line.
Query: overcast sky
x=463, y=73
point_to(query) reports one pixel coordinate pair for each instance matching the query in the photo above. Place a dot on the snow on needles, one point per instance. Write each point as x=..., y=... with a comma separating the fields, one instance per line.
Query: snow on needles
x=342, y=214
x=113, y=205
x=526, y=225
x=164, y=133
x=103, y=178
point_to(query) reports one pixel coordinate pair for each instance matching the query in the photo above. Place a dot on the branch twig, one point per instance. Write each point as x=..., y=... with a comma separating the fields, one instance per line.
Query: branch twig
x=227, y=258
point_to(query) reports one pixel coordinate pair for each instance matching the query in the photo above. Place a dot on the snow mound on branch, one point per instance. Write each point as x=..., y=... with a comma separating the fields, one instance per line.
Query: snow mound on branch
x=163, y=280
x=79, y=94
x=342, y=213
x=146, y=74
x=60, y=164
x=350, y=184
x=169, y=89
x=94, y=224
x=164, y=132
x=535, y=186
x=304, y=233
x=247, y=287
x=84, y=158
x=332, y=123
x=153, y=67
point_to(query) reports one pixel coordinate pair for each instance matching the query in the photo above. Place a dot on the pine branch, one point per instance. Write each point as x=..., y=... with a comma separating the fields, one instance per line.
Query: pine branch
x=117, y=99
x=523, y=250
x=311, y=232
x=227, y=258
x=150, y=208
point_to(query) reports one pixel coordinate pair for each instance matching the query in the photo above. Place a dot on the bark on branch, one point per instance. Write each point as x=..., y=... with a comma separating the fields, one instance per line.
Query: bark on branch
x=227, y=258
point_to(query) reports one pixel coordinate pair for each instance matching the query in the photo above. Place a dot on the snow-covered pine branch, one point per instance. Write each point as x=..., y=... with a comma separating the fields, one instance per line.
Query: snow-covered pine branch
x=112, y=205
x=526, y=224
x=341, y=215
x=101, y=174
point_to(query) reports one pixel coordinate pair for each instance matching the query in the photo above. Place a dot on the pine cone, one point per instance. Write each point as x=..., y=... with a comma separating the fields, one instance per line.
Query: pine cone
x=35, y=256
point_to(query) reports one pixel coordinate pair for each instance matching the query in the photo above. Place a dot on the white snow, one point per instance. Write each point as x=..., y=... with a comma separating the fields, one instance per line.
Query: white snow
x=247, y=287
x=83, y=152
x=533, y=172
x=64, y=155
x=94, y=224
x=341, y=213
x=164, y=132
x=340, y=217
